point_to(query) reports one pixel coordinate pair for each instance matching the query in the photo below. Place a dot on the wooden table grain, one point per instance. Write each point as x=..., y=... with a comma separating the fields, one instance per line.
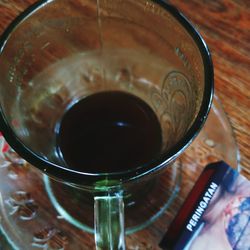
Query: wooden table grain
x=225, y=26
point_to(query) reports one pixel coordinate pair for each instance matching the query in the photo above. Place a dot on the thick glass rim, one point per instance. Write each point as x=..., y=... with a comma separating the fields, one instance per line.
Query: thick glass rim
x=70, y=175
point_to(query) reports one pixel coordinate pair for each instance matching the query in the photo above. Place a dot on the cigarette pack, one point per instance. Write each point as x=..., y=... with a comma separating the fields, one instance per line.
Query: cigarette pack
x=215, y=215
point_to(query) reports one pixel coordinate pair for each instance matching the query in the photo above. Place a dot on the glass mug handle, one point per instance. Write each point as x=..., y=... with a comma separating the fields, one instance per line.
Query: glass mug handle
x=109, y=222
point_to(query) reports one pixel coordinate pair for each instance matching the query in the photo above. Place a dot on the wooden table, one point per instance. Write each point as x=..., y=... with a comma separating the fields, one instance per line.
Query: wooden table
x=225, y=25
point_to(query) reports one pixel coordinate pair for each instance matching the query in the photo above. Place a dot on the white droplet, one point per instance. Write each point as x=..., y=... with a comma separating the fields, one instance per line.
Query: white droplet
x=210, y=143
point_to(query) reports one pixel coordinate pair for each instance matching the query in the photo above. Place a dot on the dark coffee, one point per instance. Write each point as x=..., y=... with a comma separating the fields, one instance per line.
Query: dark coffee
x=109, y=132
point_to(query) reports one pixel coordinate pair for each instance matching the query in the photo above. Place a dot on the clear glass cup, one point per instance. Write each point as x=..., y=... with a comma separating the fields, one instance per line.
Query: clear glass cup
x=59, y=52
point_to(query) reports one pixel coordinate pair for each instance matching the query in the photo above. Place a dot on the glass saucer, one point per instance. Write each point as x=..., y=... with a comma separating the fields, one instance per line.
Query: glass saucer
x=31, y=217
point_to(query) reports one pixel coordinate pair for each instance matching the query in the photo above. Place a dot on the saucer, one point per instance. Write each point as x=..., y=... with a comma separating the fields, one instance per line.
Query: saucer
x=31, y=217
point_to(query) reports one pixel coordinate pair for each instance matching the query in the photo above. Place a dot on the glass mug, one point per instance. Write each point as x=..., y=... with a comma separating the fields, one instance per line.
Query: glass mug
x=58, y=53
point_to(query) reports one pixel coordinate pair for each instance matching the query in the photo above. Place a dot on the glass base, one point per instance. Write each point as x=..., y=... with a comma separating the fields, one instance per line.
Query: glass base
x=76, y=206
x=37, y=213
